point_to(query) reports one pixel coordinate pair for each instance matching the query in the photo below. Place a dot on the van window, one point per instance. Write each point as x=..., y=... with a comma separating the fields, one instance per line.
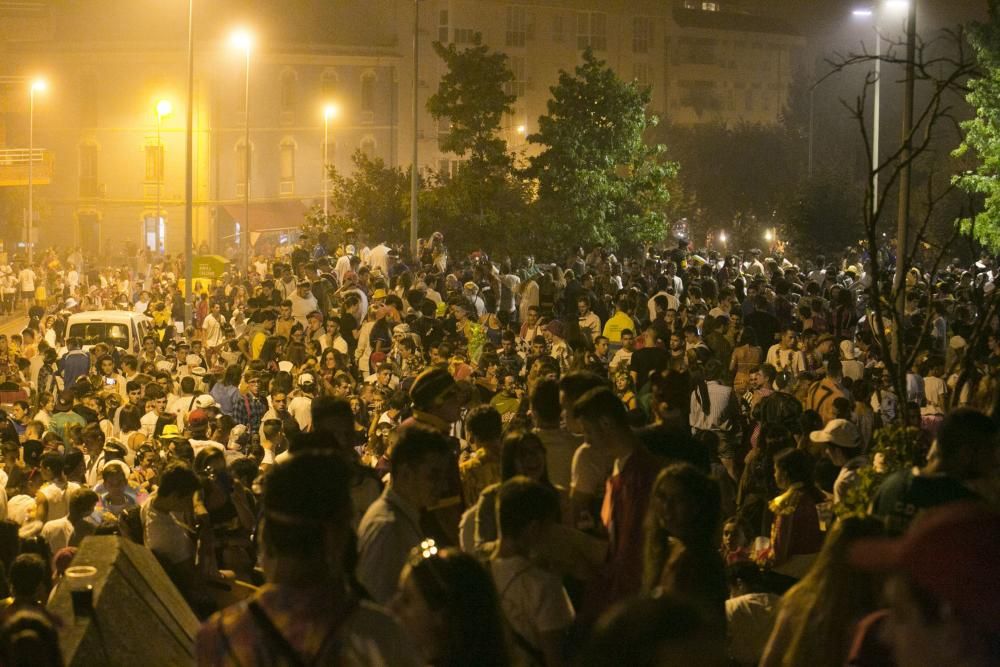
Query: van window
x=92, y=333
x=135, y=334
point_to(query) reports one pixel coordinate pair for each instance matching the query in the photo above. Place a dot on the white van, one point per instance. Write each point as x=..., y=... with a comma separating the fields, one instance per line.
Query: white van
x=124, y=329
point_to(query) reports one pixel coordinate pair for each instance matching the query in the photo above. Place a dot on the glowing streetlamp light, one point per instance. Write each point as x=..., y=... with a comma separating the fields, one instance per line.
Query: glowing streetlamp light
x=722, y=238
x=330, y=111
x=769, y=235
x=243, y=40
x=521, y=129
x=37, y=86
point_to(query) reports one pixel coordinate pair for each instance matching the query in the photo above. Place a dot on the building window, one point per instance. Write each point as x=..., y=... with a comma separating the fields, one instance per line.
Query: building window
x=465, y=36
x=592, y=30
x=154, y=163
x=328, y=84
x=288, y=91
x=443, y=126
x=642, y=34
x=558, y=28
x=519, y=85
x=368, y=92
x=286, y=163
x=443, y=26
x=89, y=96
x=154, y=232
x=88, y=171
x=368, y=147
x=643, y=73
x=517, y=26
x=244, y=164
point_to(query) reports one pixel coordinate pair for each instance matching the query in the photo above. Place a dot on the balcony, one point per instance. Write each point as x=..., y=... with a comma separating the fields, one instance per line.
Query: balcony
x=14, y=166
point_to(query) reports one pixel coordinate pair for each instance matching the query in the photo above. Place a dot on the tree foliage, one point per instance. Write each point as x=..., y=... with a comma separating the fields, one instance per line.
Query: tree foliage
x=598, y=180
x=472, y=96
x=982, y=133
x=374, y=199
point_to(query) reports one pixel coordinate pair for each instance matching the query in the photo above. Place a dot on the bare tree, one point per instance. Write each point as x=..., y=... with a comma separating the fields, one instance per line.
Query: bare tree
x=941, y=69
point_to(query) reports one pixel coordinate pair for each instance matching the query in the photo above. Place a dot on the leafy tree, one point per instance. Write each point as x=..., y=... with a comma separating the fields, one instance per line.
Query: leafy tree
x=484, y=204
x=374, y=199
x=598, y=180
x=471, y=95
x=982, y=133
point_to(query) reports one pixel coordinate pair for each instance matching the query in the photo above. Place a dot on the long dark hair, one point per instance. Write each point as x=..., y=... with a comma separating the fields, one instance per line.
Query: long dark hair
x=462, y=591
x=706, y=501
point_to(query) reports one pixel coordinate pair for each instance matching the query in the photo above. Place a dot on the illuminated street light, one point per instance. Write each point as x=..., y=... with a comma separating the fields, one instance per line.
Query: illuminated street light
x=521, y=129
x=722, y=237
x=769, y=235
x=863, y=13
x=37, y=86
x=164, y=108
x=330, y=111
x=243, y=40
x=897, y=5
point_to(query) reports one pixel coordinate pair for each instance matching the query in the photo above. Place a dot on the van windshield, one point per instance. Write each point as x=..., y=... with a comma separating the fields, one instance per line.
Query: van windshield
x=92, y=333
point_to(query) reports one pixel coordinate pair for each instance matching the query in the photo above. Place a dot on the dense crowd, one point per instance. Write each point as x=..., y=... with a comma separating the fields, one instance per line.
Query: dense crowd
x=683, y=458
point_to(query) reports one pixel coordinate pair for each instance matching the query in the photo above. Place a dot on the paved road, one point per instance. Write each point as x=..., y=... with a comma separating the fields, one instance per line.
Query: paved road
x=13, y=324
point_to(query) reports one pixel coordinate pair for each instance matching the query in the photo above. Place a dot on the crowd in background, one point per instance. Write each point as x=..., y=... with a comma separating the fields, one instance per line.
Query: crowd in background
x=676, y=458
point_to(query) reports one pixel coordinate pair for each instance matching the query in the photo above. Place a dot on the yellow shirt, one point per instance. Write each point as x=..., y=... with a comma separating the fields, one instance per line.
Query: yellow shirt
x=616, y=324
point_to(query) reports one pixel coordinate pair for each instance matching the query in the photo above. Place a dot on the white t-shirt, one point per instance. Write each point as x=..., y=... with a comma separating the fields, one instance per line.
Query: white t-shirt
x=534, y=601
x=27, y=278
x=58, y=498
x=590, y=470
x=57, y=533
x=300, y=407
x=164, y=535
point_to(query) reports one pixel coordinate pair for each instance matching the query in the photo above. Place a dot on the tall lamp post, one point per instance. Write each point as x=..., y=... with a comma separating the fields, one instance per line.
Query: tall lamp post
x=243, y=40
x=875, y=13
x=37, y=86
x=329, y=112
x=414, y=220
x=189, y=175
x=163, y=108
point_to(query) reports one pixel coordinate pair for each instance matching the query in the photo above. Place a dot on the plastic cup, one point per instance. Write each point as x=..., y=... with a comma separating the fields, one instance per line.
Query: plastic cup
x=80, y=581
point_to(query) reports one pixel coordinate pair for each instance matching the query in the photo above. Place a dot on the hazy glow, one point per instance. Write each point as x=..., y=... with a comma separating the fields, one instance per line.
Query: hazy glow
x=897, y=5
x=722, y=237
x=242, y=39
x=521, y=129
x=39, y=86
x=862, y=13
x=769, y=235
x=164, y=108
x=331, y=111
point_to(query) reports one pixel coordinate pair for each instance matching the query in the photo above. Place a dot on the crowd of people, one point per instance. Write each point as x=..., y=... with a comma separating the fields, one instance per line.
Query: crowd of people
x=676, y=459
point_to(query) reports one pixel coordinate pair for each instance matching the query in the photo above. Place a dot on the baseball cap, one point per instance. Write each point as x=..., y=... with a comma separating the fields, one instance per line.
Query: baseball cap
x=306, y=379
x=196, y=418
x=951, y=553
x=471, y=286
x=171, y=432
x=205, y=401
x=378, y=294
x=839, y=432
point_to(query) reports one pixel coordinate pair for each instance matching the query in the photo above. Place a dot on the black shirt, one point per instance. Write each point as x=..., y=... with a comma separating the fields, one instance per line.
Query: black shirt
x=647, y=360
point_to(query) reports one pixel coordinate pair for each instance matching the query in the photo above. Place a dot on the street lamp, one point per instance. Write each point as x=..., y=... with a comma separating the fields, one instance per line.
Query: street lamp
x=37, y=86
x=330, y=111
x=243, y=40
x=163, y=108
x=189, y=176
x=869, y=13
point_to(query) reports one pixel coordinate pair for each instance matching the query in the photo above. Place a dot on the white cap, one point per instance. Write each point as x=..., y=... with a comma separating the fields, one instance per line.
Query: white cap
x=306, y=378
x=205, y=401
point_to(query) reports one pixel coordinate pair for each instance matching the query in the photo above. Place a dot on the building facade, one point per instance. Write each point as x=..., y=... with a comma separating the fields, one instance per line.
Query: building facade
x=117, y=181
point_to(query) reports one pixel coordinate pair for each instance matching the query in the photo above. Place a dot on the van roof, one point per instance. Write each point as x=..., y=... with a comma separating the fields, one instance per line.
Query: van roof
x=107, y=315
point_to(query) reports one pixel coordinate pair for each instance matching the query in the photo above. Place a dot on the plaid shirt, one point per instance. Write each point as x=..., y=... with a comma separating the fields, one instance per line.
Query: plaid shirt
x=249, y=410
x=318, y=624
